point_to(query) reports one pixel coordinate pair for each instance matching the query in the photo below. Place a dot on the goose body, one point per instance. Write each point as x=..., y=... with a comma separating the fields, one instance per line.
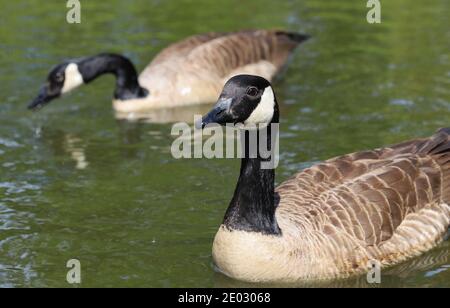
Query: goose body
x=192, y=71
x=328, y=221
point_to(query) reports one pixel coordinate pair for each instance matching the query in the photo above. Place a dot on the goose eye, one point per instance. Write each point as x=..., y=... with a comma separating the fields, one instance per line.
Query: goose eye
x=252, y=91
x=59, y=77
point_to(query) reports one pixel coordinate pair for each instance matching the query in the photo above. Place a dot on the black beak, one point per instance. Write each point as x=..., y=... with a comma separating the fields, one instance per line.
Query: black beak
x=220, y=114
x=41, y=100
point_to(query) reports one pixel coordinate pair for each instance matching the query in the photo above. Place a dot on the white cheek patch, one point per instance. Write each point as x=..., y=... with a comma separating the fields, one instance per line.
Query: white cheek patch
x=263, y=113
x=73, y=78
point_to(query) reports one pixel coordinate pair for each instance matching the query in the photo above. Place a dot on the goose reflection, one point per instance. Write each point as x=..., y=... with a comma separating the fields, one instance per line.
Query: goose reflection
x=183, y=114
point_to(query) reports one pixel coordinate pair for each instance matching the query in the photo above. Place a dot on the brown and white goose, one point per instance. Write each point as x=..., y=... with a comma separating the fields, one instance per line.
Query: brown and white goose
x=328, y=221
x=192, y=71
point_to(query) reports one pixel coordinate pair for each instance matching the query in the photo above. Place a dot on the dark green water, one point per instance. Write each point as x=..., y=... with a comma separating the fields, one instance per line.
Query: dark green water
x=77, y=183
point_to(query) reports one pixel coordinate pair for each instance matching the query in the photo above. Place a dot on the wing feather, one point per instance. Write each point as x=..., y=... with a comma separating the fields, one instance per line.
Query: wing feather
x=375, y=196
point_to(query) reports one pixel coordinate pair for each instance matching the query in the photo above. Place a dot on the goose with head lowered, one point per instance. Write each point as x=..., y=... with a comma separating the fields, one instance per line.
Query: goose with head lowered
x=335, y=218
x=192, y=71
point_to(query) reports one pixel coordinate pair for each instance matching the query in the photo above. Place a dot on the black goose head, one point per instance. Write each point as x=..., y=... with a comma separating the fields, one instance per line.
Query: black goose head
x=61, y=79
x=71, y=74
x=246, y=100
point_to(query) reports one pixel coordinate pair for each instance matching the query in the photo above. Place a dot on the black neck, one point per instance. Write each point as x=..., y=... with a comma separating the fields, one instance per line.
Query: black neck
x=127, y=85
x=254, y=202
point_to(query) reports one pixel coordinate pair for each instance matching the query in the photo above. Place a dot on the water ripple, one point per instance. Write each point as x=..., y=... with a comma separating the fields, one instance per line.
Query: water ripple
x=9, y=143
x=19, y=187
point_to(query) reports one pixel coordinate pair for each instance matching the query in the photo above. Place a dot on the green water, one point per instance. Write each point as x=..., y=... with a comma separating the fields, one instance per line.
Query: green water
x=77, y=183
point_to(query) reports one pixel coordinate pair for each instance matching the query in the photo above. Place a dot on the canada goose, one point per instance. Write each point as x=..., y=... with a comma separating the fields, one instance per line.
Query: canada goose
x=328, y=221
x=192, y=71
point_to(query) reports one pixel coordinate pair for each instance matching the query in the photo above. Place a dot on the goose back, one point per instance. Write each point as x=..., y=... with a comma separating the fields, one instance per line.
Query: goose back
x=387, y=204
x=183, y=47
x=195, y=69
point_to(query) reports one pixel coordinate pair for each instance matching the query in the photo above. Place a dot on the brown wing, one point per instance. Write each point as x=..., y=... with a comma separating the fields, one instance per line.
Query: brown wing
x=369, y=195
x=184, y=47
x=226, y=53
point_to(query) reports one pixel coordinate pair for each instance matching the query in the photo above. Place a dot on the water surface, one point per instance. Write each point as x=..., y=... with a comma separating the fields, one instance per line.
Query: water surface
x=75, y=182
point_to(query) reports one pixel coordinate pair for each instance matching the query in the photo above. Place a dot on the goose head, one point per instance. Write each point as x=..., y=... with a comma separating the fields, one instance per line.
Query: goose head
x=246, y=101
x=62, y=79
x=71, y=74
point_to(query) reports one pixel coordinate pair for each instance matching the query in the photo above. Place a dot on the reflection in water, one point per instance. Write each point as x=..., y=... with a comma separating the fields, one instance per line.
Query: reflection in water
x=64, y=144
x=427, y=262
x=73, y=145
x=84, y=150
x=130, y=132
x=166, y=115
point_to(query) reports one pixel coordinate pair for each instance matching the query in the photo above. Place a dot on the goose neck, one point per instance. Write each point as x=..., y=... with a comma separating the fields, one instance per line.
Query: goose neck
x=127, y=84
x=253, y=205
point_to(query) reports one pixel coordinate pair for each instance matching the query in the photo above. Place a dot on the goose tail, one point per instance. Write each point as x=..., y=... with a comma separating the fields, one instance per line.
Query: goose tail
x=438, y=144
x=298, y=38
x=438, y=147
